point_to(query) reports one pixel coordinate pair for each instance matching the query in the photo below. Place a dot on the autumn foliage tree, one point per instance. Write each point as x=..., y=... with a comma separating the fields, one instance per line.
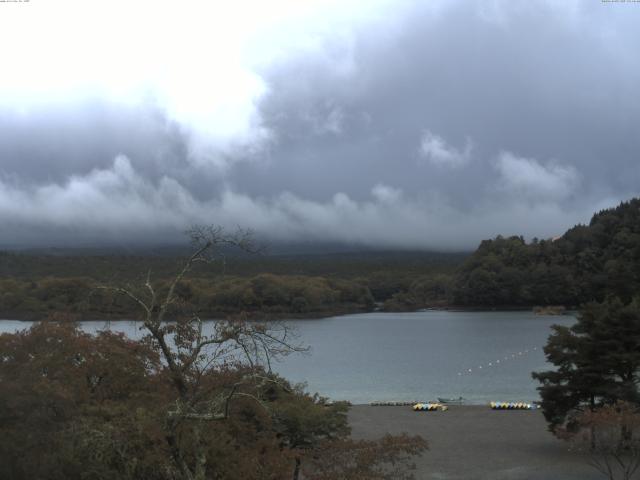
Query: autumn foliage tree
x=64, y=392
x=190, y=401
x=610, y=438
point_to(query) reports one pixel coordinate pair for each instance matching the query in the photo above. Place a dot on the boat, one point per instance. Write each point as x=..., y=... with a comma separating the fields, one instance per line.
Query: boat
x=450, y=401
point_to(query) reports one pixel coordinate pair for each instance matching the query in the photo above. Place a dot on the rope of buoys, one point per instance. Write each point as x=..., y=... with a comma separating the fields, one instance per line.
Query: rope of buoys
x=429, y=407
x=512, y=406
x=391, y=404
x=495, y=363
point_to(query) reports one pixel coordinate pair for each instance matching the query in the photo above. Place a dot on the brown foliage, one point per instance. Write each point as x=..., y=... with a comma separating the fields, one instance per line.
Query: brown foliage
x=184, y=403
x=610, y=436
x=55, y=380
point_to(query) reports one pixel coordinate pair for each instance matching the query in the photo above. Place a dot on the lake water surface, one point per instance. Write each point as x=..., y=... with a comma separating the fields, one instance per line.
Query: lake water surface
x=481, y=356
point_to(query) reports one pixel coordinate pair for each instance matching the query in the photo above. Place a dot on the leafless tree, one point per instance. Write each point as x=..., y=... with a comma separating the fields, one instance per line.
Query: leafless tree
x=190, y=353
x=610, y=437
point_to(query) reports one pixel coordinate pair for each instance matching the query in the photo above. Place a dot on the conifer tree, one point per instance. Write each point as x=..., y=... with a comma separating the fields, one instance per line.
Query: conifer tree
x=597, y=362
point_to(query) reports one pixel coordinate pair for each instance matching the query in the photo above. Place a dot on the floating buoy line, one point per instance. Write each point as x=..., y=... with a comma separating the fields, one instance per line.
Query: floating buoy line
x=498, y=361
x=437, y=406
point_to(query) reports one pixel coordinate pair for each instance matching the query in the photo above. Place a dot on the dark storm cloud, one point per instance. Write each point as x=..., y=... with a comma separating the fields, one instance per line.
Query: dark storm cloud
x=45, y=145
x=51, y=143
x=540, y=81
x=434, y=128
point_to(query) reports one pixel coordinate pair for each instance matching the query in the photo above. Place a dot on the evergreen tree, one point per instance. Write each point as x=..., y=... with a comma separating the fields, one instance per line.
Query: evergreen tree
x=597, y=362
x=587, y=263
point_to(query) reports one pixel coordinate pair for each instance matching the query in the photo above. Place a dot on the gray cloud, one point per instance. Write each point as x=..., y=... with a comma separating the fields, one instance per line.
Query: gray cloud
x=118, y=203
x=436, y=151
x=433, y=127
x=531, y=180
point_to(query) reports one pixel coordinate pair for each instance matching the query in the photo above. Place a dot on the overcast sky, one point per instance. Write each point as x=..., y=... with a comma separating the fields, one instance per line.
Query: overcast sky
x=393, y=124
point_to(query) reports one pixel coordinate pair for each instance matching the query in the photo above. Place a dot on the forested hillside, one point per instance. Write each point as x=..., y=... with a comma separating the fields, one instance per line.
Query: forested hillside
x=587, y=263
x=34, y=285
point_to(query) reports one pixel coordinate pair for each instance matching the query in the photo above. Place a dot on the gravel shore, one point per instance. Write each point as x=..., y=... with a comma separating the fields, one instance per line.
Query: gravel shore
x=475, y=442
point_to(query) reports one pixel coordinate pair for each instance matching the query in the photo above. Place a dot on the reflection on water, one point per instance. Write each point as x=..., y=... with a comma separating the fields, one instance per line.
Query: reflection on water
x=481, y=356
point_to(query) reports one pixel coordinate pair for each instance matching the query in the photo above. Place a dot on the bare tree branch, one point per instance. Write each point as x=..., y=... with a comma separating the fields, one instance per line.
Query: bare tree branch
x=184, y=348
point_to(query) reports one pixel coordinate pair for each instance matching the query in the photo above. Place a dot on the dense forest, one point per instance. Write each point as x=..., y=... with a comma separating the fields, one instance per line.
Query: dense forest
x=587, y=263
x=263, y=285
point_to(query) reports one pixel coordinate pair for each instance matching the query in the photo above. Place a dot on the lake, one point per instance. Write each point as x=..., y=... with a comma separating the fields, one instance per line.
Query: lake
x=367, y=357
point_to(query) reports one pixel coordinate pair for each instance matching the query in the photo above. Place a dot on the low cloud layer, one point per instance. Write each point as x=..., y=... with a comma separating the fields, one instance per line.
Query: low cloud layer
x=108, y=205
x=387, y=124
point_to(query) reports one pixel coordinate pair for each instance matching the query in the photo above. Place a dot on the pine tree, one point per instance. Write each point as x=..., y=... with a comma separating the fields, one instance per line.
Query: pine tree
x=597, y=362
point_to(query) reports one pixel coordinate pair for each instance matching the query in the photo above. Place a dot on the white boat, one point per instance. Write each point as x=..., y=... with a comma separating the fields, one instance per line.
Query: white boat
x=452, y=401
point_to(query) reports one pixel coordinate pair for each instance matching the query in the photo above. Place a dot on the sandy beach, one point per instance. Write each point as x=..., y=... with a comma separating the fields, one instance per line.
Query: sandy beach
x=475, y=442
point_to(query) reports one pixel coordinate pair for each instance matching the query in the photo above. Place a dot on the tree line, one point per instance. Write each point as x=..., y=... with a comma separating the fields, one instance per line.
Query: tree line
x=588, y=263
x=262, y=295
x=33, y=285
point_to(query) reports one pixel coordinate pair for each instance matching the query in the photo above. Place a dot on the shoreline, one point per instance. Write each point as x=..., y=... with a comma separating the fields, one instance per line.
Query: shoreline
x=250, y=316
x=284, y=316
